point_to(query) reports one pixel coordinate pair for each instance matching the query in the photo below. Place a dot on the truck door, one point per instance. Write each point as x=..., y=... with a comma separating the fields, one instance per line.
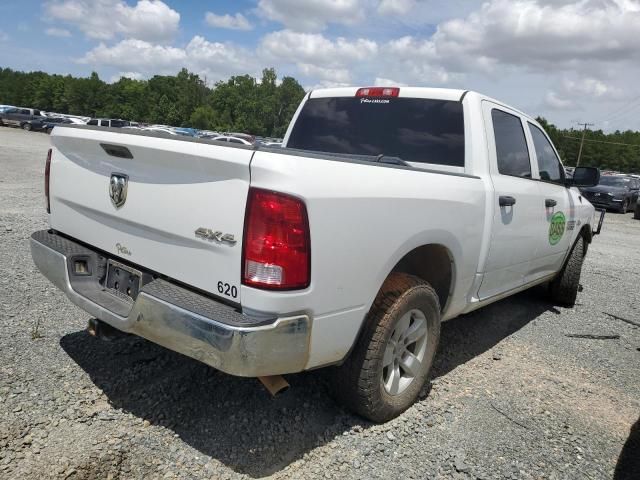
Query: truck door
x=555, y=210
x=516, y=197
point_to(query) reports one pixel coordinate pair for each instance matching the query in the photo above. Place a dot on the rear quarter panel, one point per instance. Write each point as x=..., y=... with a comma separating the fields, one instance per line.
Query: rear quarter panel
x=363, y=220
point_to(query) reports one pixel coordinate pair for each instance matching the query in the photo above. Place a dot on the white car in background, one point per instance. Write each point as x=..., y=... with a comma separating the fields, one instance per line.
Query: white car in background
x=232, y=139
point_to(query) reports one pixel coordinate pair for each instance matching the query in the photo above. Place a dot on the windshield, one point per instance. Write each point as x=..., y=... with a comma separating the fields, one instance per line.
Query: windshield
x=615, y=181
x=412, y=129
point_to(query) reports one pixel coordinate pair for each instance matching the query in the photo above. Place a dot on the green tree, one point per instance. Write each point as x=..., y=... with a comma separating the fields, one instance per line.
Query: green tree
x=203, y=117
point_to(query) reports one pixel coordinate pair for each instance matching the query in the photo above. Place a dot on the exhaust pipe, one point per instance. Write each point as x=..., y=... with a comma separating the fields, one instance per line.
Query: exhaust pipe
x=275, y=384
x=103, y=331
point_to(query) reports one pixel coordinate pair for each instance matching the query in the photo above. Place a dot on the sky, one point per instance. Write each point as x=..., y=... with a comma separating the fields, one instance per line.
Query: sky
x=569, y=61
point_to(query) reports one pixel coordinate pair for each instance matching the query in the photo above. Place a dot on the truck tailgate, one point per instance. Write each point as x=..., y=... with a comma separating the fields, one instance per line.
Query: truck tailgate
x=175, y=187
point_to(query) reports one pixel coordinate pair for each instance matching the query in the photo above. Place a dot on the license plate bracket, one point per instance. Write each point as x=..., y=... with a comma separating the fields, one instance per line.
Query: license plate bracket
x=122, y=280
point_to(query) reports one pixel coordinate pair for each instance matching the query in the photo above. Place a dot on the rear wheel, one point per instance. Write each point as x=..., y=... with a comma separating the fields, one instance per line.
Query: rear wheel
x=26, y=126
x=391, y=362
x=564, y=288
x=636, y=213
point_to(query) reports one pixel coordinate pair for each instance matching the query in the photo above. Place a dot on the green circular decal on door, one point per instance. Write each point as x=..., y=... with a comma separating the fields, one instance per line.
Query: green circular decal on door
x=556, y=228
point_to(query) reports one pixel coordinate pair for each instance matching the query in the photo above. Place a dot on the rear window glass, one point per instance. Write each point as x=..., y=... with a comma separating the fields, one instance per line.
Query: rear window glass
x=412, y=129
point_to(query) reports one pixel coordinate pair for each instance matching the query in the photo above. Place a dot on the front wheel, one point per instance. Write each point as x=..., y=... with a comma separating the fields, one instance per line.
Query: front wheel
x=390, y=364
x=624, y=207
x=26, y=126
x=564, y=288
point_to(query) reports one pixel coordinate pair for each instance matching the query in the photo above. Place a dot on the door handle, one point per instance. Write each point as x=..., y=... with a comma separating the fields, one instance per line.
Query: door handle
x=550, y=202
x=506, y=201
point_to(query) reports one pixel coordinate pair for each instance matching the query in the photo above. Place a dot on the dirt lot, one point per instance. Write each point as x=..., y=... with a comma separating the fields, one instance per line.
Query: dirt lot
x=513, y=395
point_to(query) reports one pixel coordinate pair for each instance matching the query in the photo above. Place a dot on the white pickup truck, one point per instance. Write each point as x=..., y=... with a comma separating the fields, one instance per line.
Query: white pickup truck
x=388, y=211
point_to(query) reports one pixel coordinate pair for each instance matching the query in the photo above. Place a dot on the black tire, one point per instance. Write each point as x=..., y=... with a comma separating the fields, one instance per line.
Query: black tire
x=624, y=207
x=564, y=288
x=636, y=212
x=26, y=126
x=358, y=383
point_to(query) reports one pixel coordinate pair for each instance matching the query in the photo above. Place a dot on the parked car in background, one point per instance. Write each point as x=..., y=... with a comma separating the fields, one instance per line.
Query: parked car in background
x=51, y=122
x=109, y=122
x=26, y=118
x=230, y=139
x=160, y=129
x=187, y=132
x=614, y=192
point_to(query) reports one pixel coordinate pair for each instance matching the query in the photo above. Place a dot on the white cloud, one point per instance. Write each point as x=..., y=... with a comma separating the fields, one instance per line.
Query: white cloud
x=396, y=7
x=131, y=75
x=591, y=88
x=328, y=76
x=557, y=102
x=315, y=48
x=311, y=15
x=387, y=82
x=322, y=60
x=231, y=22
x=212, y=60
x=150, y=20
x=57, y=32
x=541, y=35
x=137, y=55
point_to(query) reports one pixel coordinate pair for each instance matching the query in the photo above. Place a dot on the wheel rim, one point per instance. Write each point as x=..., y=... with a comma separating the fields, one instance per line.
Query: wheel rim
x=404, y=352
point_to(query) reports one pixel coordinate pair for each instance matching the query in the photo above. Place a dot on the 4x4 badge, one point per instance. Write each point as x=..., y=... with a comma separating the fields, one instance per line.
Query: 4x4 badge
x=118, y=189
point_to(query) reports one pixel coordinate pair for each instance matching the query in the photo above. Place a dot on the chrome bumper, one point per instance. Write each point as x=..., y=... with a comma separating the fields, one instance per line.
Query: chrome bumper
x=180, y=319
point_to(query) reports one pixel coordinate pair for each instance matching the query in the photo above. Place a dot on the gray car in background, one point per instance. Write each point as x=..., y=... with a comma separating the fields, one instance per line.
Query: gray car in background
x=26, y=118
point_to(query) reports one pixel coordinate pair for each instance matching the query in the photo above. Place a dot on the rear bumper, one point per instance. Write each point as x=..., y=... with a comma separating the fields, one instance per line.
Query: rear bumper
x=178, y=318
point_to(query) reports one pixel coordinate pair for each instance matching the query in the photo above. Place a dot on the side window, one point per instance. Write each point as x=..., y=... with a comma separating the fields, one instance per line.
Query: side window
x=511, y=145
x=24, y=111
x=548, y=163
x=92, y=122
x=104, y=123
x=37, y=113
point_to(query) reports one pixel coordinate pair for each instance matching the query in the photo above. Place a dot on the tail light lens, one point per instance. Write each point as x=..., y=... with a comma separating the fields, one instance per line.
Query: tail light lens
x=276, y=247
x=47, y=174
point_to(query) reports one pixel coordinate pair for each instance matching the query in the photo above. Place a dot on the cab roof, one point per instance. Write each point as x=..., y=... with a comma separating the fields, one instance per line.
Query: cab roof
x=452, y=94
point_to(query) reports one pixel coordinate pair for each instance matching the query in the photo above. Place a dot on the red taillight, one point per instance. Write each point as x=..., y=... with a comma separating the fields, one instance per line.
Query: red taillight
x=276, y=247
x=378, y=92
x=47, y=174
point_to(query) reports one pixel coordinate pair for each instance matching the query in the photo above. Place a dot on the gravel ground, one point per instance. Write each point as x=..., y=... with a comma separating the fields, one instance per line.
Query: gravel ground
x=512, y=395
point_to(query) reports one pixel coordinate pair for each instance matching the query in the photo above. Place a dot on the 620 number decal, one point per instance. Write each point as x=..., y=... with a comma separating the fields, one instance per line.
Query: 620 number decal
x=228, y=290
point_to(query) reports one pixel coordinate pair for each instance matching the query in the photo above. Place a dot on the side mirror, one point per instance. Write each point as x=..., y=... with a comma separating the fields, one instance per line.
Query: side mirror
x=585, y=177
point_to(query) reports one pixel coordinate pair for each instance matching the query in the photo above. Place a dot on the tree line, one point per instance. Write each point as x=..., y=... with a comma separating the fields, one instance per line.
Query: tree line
x=240, y=104
x=244, y=104
x=618, y=150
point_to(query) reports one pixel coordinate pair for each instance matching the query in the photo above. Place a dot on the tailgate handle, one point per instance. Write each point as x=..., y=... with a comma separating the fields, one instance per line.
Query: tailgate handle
x=116, y=150
x=506, y=201
x=550, y=202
